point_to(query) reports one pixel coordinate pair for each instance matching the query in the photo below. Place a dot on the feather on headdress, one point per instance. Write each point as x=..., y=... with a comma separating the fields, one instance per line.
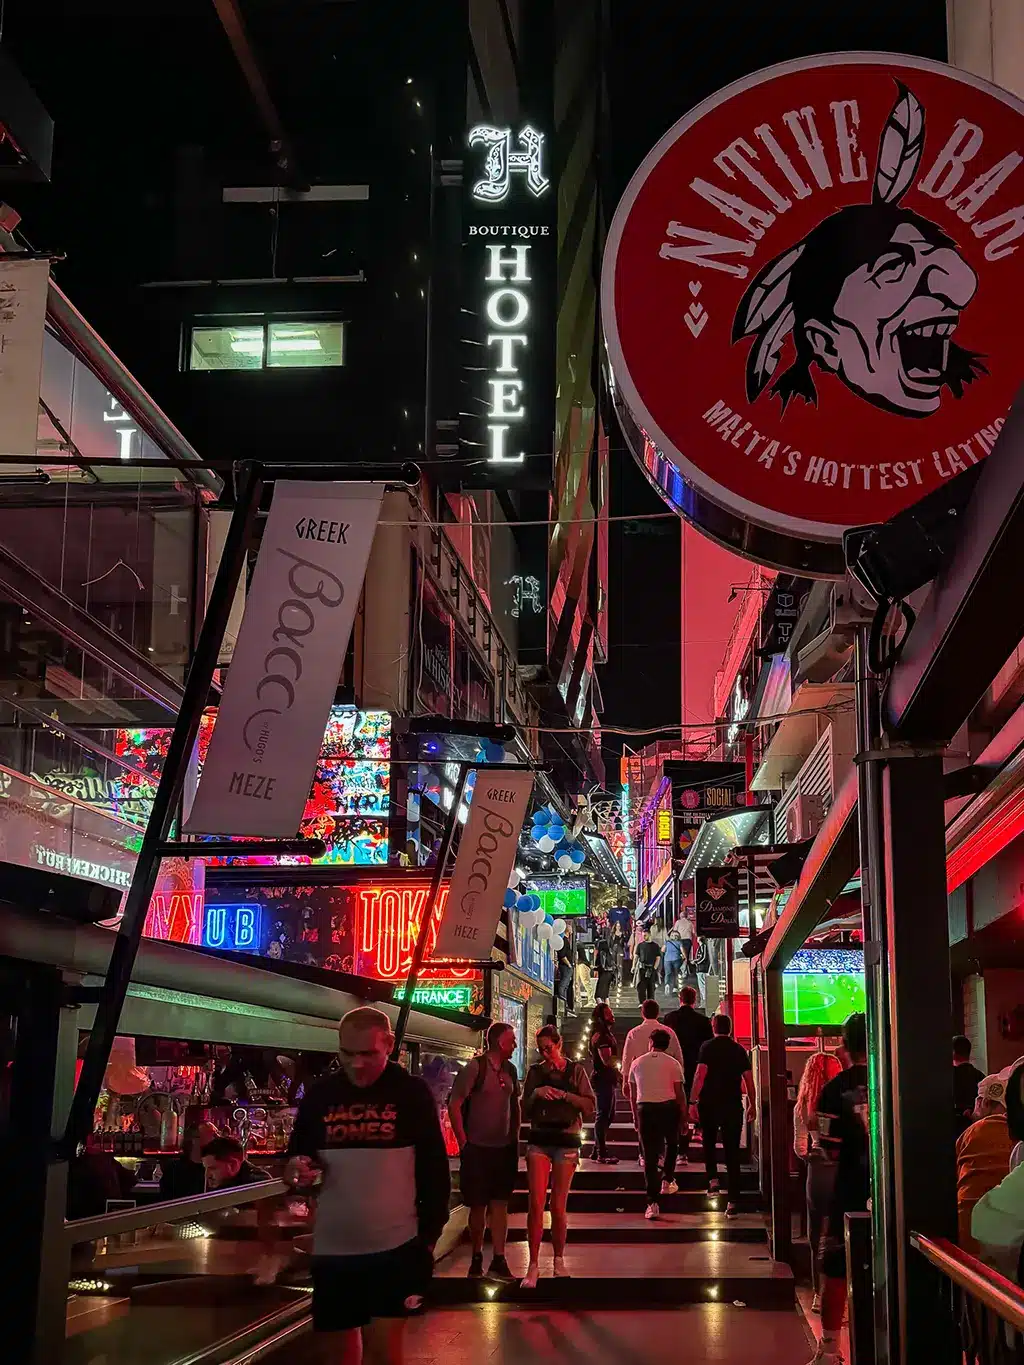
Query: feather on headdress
x=766, y=310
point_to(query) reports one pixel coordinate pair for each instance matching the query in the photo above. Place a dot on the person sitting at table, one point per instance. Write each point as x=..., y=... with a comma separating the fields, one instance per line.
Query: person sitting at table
x=226, y=1165
x=185, y=1176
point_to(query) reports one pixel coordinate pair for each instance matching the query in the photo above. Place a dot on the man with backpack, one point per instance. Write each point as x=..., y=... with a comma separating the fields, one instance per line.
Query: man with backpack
x=484, y=1110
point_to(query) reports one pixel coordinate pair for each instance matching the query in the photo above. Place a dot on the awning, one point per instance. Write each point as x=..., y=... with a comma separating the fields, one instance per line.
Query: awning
x=178, y=974
x=832, y=861
x=799, y=731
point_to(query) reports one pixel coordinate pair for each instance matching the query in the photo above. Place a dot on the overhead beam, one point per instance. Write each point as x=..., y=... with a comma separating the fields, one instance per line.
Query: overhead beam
x=970, y=623
x=281, y=148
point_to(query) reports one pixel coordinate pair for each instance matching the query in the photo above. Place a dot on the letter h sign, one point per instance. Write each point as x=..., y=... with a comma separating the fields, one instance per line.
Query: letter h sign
x=501, y=162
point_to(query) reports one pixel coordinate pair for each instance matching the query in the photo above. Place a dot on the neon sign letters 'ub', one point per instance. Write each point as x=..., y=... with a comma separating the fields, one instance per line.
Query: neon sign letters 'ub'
x=501, y=162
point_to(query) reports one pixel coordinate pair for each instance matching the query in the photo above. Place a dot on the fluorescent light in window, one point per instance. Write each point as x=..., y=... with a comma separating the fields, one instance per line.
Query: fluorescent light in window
x=248, y=347
x=295, y=344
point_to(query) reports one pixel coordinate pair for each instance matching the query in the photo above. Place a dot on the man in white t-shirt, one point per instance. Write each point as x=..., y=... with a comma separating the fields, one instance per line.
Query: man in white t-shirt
x=638, y=1039
x=657, y=1092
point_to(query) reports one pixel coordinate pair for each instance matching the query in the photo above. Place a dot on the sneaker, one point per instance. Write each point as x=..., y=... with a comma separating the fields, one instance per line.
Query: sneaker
x=653, y=1211
x=476, y=1266
x=816, y=1304
x=498, y=1269
x=529, y=1280
x=731, y=1210
x=669, y=1187
x=561, y=1270
x=609, y=1161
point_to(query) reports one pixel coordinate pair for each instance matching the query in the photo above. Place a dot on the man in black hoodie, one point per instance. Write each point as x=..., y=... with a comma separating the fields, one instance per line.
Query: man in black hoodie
x=370, y=1137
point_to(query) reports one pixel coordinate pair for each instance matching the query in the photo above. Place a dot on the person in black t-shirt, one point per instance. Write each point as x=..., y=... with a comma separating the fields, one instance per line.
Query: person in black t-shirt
x=966, y=1079
x=692, y=1028
x=722, y=1080
x=370, y=1135
x=604, y=1053
x=648, y=956
x=843, y=1132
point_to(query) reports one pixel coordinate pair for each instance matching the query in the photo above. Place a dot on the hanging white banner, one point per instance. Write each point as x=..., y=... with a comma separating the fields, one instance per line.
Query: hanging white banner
x=23, y=289
x=287, y=660
x=487, y=852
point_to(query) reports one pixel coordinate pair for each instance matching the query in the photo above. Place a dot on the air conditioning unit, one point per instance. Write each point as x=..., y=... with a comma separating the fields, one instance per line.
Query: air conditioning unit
x=804, y=817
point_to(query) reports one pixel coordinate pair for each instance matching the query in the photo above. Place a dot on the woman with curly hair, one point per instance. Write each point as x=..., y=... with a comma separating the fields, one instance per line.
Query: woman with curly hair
x=821, y=1172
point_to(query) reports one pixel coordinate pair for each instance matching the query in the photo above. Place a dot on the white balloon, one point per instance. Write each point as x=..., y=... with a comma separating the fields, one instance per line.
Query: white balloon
x=544, y=931
x=558, y=925
x=546, y=844
x=557, y=941
x=564, y=862
x=514, y=878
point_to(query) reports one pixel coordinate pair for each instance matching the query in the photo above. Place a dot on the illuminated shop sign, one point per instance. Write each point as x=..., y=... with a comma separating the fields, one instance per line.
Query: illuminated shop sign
x=501, y=162
x=55, y=861
x=236, y=927
x=664, y=826
x=388, y=921
x=509, y=281
x=443, y=995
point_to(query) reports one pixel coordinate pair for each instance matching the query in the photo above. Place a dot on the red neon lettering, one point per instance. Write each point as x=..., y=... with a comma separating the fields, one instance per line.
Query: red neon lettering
x=176, y=919
x=387, y=925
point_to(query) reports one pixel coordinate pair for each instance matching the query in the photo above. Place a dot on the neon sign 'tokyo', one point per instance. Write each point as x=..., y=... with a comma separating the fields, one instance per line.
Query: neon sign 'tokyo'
x=387, y=925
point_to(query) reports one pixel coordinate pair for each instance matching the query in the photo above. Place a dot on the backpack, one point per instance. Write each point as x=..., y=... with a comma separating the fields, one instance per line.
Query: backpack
x=508, y=1068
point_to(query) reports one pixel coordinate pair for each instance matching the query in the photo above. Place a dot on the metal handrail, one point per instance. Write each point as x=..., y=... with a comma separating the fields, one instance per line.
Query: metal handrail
x=987, y=1286
x=149, y=1215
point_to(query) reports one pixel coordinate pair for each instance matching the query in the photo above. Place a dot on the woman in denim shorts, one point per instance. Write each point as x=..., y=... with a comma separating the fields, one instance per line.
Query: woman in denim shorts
x=557, y=1097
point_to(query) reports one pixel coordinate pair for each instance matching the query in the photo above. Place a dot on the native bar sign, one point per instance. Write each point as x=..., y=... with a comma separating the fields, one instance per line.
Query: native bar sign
x=804, y=294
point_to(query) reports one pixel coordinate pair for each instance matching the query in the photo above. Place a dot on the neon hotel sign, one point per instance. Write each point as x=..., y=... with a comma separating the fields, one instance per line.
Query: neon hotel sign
x=508, y=278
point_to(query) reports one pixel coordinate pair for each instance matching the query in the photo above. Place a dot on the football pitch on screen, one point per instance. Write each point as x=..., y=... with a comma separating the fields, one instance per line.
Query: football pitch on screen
x=821, y=997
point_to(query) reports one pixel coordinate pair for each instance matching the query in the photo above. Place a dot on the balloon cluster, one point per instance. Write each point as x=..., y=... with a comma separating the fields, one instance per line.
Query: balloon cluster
x=549, y=834
x=489, y=752
x=532, y=914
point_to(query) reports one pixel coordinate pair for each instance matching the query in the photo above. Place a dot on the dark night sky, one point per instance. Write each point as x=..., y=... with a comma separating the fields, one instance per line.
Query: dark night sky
x=665, y=57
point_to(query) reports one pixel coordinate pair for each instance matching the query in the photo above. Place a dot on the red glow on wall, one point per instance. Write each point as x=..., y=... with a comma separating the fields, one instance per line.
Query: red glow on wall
x=984, y=842
x=388, y=919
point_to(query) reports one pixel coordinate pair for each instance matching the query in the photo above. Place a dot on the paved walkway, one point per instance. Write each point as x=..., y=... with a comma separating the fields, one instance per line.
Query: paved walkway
x=718, y=1333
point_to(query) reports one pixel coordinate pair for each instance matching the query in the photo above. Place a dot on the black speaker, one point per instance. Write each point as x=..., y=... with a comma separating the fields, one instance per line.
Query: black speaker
x=53, y=893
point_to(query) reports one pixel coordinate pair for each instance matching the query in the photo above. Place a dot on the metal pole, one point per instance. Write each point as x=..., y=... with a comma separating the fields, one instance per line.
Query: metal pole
x=186, y=728
x=778, y=1117
x=419, y=952
x=884, y=1251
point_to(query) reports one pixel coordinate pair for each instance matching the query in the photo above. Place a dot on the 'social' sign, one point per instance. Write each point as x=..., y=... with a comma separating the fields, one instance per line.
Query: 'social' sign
x=810, y=288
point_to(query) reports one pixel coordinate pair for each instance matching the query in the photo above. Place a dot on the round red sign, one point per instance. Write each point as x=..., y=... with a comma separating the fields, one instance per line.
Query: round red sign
x=808, y=290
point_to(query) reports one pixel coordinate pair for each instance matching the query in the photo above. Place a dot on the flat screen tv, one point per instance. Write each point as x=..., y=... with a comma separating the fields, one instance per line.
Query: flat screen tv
x=562, y=897
x=823, y=987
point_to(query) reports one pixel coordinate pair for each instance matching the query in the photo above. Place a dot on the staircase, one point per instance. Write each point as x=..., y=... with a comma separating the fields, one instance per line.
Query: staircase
x=691, y=1254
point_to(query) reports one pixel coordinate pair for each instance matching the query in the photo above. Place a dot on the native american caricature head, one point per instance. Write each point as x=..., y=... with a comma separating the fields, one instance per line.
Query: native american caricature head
x=873, y=294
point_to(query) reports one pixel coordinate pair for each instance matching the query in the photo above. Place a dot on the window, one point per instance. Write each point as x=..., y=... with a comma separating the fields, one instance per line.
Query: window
x=291, y=344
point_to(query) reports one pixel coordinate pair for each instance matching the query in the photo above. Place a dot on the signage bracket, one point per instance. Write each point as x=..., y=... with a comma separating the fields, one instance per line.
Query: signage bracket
x=250, y=478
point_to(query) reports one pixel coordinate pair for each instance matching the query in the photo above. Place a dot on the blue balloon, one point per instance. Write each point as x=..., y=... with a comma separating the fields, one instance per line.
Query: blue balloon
x=510, y=899
x=524, y=902
x=542, y=816
x=557, y=832
x=537, y=902
x=578, y=856
x=494, y=753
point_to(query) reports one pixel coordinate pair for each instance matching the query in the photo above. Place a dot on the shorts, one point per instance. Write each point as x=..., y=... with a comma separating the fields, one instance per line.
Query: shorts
x=487, y=1174
x=558, y=1156
x=350, y=1291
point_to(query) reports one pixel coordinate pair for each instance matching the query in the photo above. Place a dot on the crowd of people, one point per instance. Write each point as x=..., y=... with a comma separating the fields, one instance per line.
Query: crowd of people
x=367, y=1142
